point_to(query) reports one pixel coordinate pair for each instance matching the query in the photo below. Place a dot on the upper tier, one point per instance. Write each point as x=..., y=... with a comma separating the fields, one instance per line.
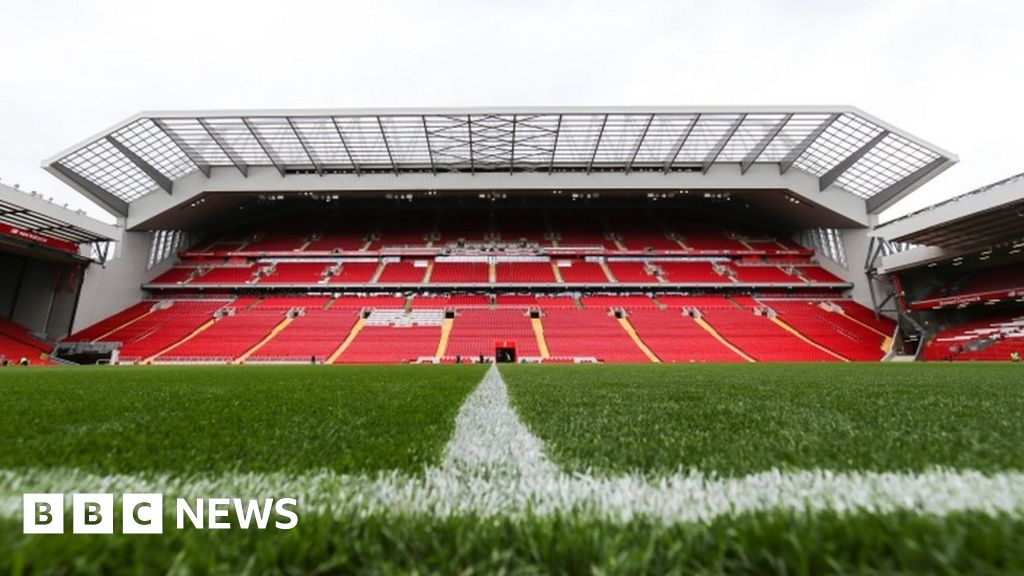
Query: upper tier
x=360, y=249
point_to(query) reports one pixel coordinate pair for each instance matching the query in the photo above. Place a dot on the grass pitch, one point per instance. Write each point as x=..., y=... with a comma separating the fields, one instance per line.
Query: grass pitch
x=206, y=419
x=368, y=422
x=735, y=420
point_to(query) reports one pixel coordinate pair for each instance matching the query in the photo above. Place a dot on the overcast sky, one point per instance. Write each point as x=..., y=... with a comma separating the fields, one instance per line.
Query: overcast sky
x=947, y=71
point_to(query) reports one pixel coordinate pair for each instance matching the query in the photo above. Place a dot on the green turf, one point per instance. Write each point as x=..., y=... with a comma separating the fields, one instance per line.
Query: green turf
x=737, y=419
x=763, y=543
x=727, y=419
x=185, y=420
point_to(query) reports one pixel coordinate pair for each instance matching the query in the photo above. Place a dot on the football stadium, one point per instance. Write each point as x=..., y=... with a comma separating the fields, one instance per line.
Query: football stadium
x=515, y=340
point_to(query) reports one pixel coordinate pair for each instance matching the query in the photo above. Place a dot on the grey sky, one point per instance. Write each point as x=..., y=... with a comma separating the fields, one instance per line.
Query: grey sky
x=947, y=71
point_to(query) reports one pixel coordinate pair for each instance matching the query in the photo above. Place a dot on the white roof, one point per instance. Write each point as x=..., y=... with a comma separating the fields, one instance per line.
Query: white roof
x=840, y=145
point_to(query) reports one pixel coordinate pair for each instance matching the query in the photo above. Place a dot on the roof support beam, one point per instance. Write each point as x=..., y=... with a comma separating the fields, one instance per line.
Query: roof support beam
x=763, y=144
x=221, y=143
x=148, y=169
x=430, y=149
x=805, y=144
x=721, y=144
x=678, y=146
x=597, y=144
x=94, y=191
x=639, y=143
x=554, y=146
x=512, y=153
x=267, y=150
x=890, y=195
x=306, y=148
x=469, y=130
x=186, y=149
x=380, y=126
x=344, y=144
x=832, y=175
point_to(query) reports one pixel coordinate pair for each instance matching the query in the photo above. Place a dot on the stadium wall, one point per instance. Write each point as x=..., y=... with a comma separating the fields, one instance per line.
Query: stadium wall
x=38, y=294
x=117, y=285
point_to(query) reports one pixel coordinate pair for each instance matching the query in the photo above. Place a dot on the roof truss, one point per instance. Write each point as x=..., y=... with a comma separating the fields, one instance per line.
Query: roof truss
x=841, y=147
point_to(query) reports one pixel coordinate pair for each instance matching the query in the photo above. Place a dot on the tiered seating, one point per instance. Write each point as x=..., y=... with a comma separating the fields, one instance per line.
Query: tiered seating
x=819, y=274
x=228, y=338
x=175, y=275
x=585, y=238
x=404, y=272
x=359, y=302
x=546, y=302
x=579, y=230
x=992, y=338
x=343, y=234
x=581, y=272
x=865, y=316
x=16, y=343
x=765, y=274
x=516, y=301
x=606, y=302
x=470, y=301
x=389, y=344
x=998, y=351
x=460, y=273
x=677, y=338
x=648, y=240
x=354, y=273
x=337, y=242
x=701, y=302
x=457, y=301
x=296, y=273
x=627, y=272
x=833, y=331
x=316, y=334
x=164, y=327
x=102, y=327
x=475, y=331
x=525, y=272
x=588, y=333
x=760, y=338
x=287, y=240
x=709, y=240
x=226, y=275
x=287, y=302
x=401, y=239
x=454, y=247
x=692, y=272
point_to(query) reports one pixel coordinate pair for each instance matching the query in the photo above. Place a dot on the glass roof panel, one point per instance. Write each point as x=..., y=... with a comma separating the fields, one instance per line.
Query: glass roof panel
x=149, y=142
x=705, y=136
x=570, y=140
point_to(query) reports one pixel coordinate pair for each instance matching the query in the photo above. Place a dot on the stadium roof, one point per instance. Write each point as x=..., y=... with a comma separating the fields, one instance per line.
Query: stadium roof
x=840, y=145
x=980, y=218
x=29, y=212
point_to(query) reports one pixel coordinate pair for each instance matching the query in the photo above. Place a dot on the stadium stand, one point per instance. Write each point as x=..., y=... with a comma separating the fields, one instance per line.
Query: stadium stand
x=694, y=265
x=994, y=337
x=16, y=343
x=474, y=333
x=588, y=333
x=675, y=337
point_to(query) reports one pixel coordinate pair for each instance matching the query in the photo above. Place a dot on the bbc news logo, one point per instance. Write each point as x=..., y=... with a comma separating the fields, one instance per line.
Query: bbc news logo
x=144, y=513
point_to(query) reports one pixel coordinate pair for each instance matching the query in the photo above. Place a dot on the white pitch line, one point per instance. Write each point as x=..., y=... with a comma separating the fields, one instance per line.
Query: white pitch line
x=494, y=467
x=490, y=438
